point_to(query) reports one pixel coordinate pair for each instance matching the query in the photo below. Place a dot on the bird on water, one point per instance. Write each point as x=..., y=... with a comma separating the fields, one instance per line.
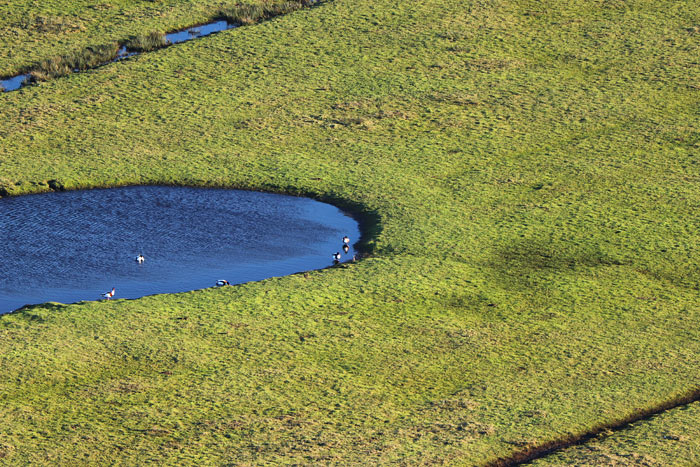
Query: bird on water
x=108, y=295
x=222, y=282
x=140, y=259
x=346, y=240
x=336, y=257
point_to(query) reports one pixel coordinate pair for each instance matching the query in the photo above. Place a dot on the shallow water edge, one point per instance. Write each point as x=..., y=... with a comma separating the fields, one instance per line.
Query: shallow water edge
x=192, y=238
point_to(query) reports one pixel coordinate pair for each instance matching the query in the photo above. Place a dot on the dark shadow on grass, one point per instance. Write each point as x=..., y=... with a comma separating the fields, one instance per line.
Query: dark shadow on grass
x=38, y=312
x=524, y=262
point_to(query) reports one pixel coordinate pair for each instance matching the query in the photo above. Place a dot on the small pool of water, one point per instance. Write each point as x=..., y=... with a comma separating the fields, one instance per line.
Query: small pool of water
x=71, y=246
x=198, y=31
x=14, y=83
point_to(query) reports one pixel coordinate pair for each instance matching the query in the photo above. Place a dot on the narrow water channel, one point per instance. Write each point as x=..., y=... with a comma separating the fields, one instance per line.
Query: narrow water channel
x=76, y=245
x=16, y=82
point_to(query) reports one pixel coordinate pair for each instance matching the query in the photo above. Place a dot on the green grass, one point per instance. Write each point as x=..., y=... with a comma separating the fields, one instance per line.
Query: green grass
x=93, y=56
x=249, y=14
x=85, y=59
x=531, y=170
x=34, y=35
x=669, y=439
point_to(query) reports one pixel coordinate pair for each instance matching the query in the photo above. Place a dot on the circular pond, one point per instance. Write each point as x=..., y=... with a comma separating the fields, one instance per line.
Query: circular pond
x=76, y=245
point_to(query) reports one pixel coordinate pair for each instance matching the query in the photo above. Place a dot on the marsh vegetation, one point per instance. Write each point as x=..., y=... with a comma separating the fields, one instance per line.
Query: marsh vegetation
x=93, y=56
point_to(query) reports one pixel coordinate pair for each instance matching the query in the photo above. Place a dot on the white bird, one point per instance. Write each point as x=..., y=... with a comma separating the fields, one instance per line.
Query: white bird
x=108, y=295
x=140, y=259
x=336, y=256
x=222, y=282
x=346, y=239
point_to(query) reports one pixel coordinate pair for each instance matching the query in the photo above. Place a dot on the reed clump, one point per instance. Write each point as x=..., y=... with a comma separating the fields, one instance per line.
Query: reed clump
x=243, y=14
x=251, y=14
x=85, y=59
x=146, y=42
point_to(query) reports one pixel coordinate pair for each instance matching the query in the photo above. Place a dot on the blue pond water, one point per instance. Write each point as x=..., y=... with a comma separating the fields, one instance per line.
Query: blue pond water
x=71, y=246
x=14, y=83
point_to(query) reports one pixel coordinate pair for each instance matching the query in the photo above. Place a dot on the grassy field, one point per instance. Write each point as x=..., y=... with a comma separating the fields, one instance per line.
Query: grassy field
x=669, y=439
x=528, y=177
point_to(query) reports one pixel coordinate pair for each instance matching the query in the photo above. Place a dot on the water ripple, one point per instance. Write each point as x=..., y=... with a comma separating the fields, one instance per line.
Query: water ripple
x=72, y=246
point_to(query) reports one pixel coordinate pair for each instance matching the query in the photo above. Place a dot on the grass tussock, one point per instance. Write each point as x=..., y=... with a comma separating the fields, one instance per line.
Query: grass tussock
x=251, y=14
x=146, y=42
x=87, y=58
x=243, y=14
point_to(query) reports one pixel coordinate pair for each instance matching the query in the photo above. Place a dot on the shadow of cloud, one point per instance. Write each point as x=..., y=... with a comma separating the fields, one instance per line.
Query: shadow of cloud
x=525, y=262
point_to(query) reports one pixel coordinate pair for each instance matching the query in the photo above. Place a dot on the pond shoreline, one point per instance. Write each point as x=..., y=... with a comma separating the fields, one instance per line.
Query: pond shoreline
x=230, y=234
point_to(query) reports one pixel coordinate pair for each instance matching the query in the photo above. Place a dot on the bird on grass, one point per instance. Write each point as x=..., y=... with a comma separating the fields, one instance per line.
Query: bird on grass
x=222, y=282
x=108, y=295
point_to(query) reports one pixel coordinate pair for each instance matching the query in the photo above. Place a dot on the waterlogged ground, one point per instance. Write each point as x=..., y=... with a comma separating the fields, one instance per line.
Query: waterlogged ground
x=72, y=246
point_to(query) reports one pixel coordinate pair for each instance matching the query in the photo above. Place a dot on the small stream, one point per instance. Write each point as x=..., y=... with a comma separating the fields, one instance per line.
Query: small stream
x=76, y=245
x=16, y=82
